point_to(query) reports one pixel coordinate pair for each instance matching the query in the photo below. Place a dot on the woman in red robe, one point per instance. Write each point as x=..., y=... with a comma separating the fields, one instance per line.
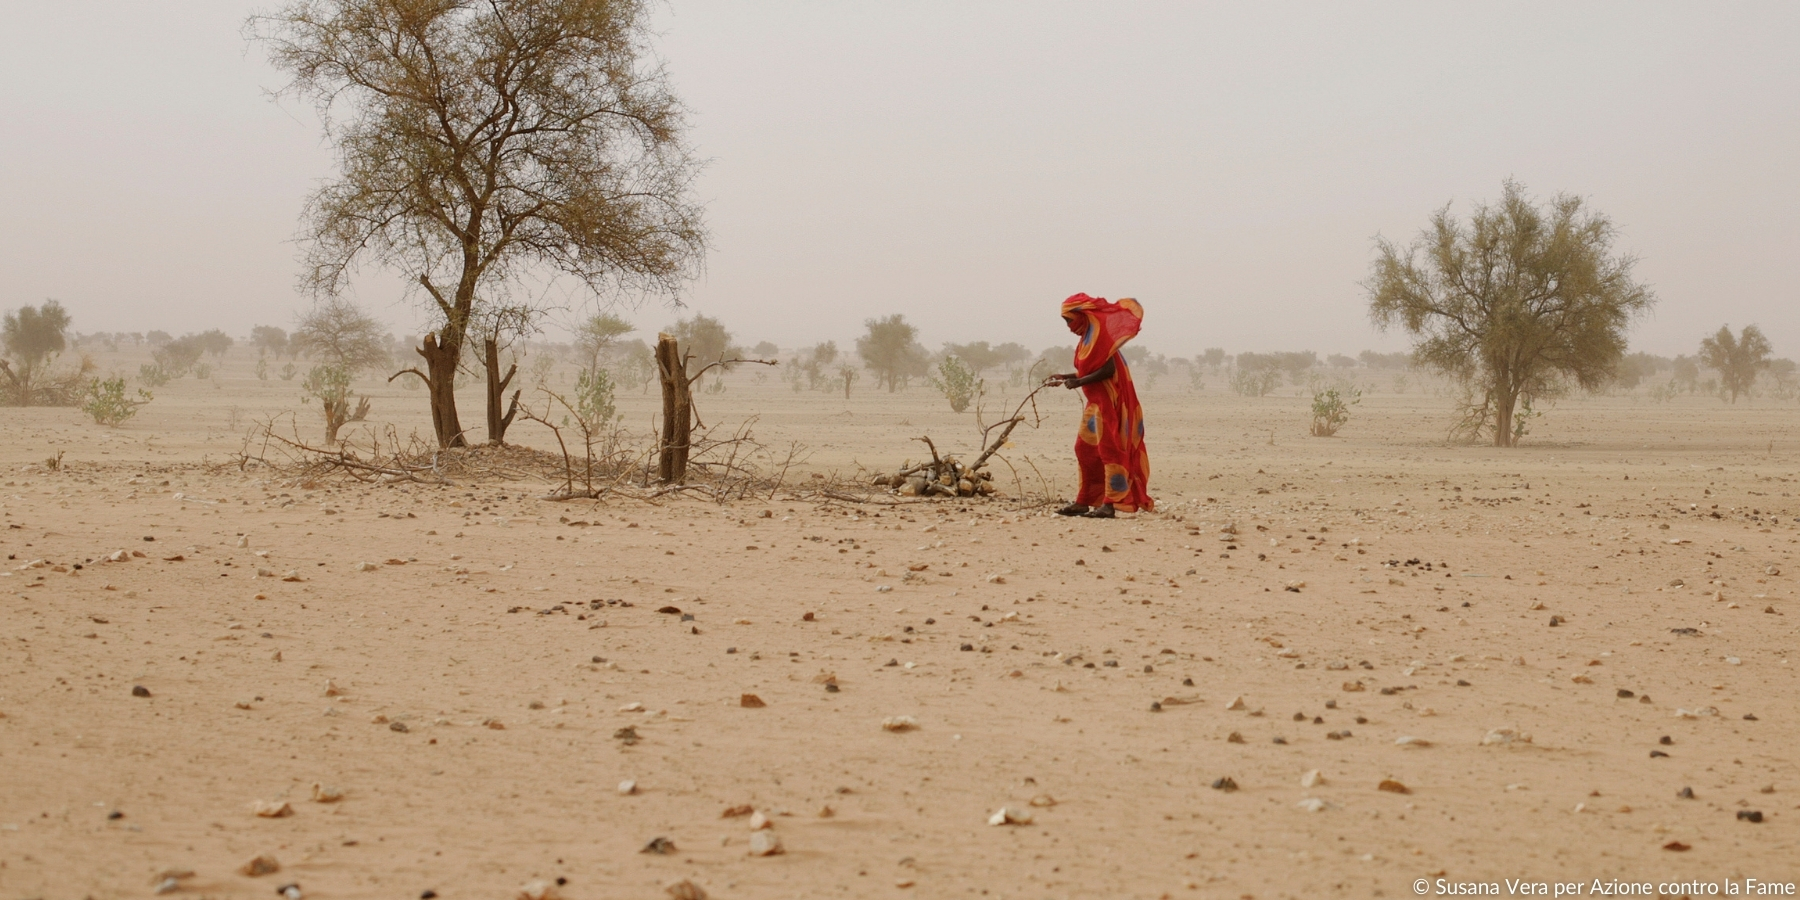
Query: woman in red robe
x=1115, y=470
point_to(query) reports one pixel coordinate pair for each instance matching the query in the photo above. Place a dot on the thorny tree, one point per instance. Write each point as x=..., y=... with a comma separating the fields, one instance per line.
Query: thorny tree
x=1737, y=359
x=478, y=140
x=1514, y=304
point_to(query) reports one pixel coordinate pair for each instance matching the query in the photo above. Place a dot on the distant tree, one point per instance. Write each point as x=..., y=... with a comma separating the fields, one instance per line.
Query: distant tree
x=31, y=339
x=1212, y=358
x=178, y=356
x=480, y=142
x=269, y=339
x=891, y=350
x=1736, y=359
x=1376, y=360
x=214, y=342
x=978, y=356
x=338, y=332
x=1686, y=372
x=158, y=338
x=706, y=339
x=765, y=350
x=1635, y=367
x=1515, y=304
x=595, y=335
x=1340, y=361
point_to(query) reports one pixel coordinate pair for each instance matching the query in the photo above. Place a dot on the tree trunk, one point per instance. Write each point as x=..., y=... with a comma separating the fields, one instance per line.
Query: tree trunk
x=1503, y=419
x=678, y=412
x=496, y=392
x=440, y=367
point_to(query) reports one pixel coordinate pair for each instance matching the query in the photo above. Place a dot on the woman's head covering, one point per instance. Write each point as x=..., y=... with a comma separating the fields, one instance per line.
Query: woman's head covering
x=1104, y=328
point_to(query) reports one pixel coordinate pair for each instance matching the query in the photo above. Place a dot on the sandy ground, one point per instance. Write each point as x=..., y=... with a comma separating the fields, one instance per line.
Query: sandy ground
x=1533, y=650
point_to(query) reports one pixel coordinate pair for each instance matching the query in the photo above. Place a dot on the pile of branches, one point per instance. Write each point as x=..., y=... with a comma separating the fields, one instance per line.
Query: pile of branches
x=283, y=451
x=948, y=476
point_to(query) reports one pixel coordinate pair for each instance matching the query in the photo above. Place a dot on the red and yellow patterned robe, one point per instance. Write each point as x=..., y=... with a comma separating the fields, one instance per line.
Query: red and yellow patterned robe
x=1110, y=445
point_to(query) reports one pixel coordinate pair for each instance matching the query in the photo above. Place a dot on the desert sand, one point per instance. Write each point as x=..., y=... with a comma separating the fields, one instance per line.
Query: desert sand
x=1500, y=664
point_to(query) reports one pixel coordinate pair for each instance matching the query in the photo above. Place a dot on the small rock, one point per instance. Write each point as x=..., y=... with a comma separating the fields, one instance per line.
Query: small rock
x=1226, y=784
x=899, y=723
x=659, y=846
x=1749, y=815
x=260, y=865
x=1393, y=787
x=1504, y=736
x=1676, y=847
x=1410, y=741
x=1045, y=800
x=538, y=890
x=290, y=891
x=1686, y=793
x=272, y=809
x=733, y=812
x=1010, y=815
x=1312, y=778
x=1312, y=804
x=140, y=691
x=1354, y=686
x=765, y=843
x=627, y=735
x=366, y=567
x=759, y=821
x=685, y=890
x=751, y=701
x=1236, y=703
x=398, y=726
x=627, y=787
x=322, y=793
x=1234, y=738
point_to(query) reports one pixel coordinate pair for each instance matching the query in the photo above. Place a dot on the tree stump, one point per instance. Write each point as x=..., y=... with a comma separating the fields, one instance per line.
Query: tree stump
x=678, y=411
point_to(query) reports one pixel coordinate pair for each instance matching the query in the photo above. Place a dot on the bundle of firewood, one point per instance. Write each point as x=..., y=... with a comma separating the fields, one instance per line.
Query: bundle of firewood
x=944, y=476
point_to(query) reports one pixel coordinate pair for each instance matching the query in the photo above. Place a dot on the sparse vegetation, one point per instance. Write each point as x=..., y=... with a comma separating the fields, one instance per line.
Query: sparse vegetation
x=891, y=350
x=31, y=339
x=330, y=385
x=957, y=382
x=1331, y=409
x=105, y=401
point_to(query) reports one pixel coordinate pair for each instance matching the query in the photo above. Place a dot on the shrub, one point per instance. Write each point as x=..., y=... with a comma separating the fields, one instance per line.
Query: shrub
x=1254, y=382
x=957, y=382
x=594, y=399
x=1330, y=410
x=331, y=385
x=104, y=399
x=153, y=374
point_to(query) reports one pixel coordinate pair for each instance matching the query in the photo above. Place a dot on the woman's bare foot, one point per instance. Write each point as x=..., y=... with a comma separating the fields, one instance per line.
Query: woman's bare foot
x=1074, y=509
x=1100, y=512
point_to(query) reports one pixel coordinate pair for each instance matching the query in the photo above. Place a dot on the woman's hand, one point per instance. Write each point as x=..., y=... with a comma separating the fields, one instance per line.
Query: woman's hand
x=1070, y=381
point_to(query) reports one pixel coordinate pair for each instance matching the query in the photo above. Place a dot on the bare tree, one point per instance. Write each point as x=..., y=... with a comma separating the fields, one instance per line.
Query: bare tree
x=481, y=140
x=1515, y=304
x=1737, y=359
x=340, y=333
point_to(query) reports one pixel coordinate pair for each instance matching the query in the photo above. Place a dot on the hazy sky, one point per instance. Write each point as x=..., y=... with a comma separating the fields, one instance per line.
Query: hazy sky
x=972, y=163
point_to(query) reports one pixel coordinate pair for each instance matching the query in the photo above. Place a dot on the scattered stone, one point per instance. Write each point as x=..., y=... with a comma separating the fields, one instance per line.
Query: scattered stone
x=1749, y=815
x=398, y=726
x=1234, y=738
x=1686, y=793
x=627, y=787
x=259, y=866
x=899, y=723
x=751, y=701
x=169, y=881
x=1312, y=778
x=685, y=890
x=290, y=891
x=627, y=735
x=733, y=812
x=272, y=809
x=1237, y=703
x=1393, y=787
x=1676, y=847
x=1624, y=694
x=766, y=843
x=1501, y=736
x=322, y=793
x=1354, y=687
x=538, y=890
x=1410, y=741
x=759, y=820
x=366, y=567
x=1226, y=784
x=1010, y=815
x=1044, y=801
x=140, y=691
x=1312, y=804
x=659, y=846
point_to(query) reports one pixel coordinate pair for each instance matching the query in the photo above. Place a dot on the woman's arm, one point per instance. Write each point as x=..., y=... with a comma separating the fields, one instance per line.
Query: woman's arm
x=1101, y=374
